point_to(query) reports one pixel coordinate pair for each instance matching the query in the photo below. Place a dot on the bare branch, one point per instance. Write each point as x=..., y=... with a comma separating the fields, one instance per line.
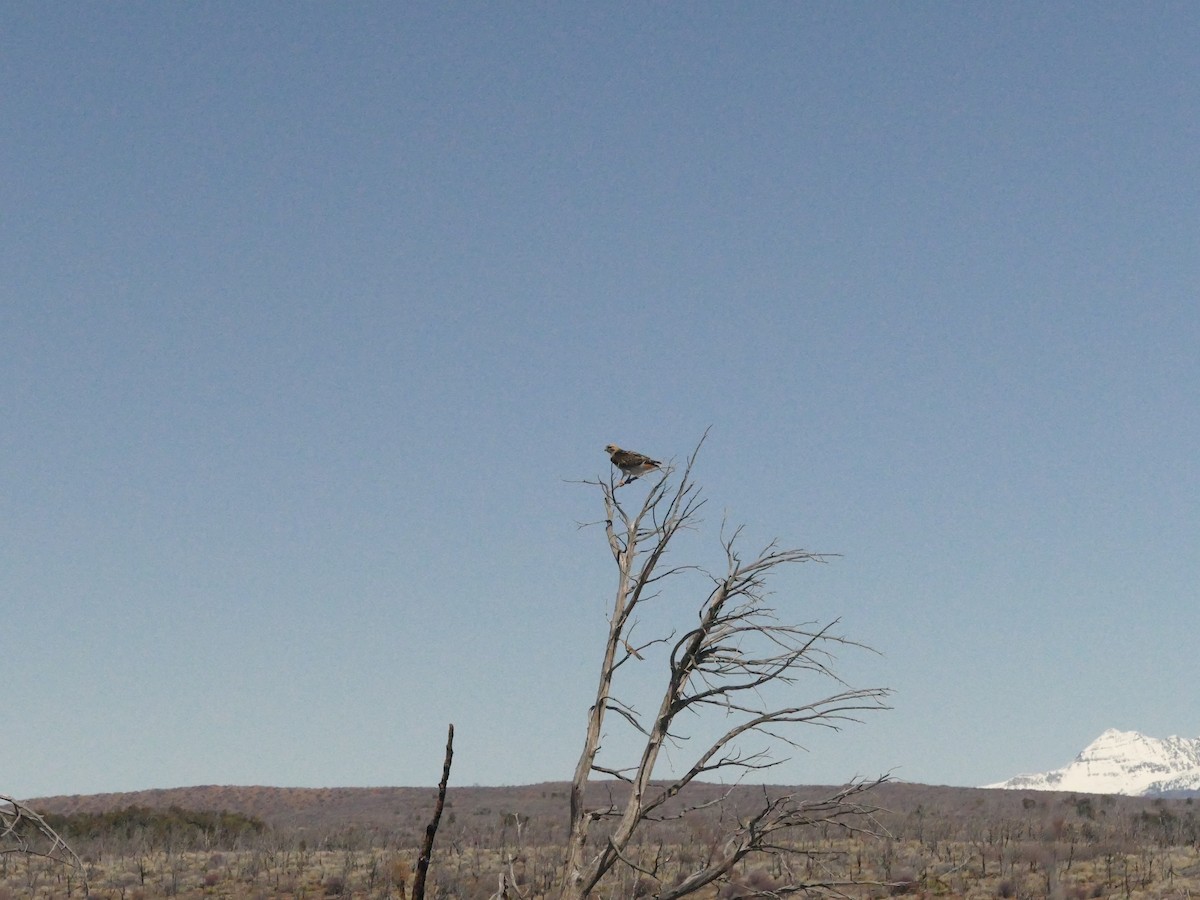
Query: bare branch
x=25, y=832
x=628, y=714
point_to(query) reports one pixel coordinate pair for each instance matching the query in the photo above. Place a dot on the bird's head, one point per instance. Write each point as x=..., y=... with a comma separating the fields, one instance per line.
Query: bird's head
x=611, y=449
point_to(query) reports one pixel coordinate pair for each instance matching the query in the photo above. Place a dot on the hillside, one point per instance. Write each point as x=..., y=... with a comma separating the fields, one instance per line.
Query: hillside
x=403, y=809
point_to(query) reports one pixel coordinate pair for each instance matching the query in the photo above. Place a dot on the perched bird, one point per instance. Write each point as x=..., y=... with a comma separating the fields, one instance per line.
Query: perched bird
x=634, y=465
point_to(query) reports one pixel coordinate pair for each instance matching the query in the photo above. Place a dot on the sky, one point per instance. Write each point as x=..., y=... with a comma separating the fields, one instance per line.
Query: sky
x=314, y=317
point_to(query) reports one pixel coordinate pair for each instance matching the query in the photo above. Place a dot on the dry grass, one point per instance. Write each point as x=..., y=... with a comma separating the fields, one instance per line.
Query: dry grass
x=918, y=869
x=938, y=842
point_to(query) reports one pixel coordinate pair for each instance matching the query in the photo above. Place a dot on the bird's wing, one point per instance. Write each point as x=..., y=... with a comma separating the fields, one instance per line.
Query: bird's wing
x=627, y=459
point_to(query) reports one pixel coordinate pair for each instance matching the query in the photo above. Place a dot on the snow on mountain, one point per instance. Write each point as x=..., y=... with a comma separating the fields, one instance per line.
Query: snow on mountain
x=1122, y=762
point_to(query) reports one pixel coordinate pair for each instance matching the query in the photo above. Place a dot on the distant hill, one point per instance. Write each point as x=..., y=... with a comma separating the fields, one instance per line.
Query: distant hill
x=381, y=808
x=314, y=808
x=405, y=810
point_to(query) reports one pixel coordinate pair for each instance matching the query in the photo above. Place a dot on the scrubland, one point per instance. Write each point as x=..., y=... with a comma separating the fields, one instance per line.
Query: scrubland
x=929, y=842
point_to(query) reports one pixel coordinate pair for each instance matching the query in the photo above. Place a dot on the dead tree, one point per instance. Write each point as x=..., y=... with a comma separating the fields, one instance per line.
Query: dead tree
x=418, y=891
x=738, y=661
x=23, y=831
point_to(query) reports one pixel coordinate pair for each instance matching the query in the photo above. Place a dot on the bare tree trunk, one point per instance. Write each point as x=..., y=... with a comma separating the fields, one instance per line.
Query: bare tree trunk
x=418, y=891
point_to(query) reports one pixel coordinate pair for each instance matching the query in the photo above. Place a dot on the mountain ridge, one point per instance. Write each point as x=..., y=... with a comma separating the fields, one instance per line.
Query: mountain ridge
x=1123, y=762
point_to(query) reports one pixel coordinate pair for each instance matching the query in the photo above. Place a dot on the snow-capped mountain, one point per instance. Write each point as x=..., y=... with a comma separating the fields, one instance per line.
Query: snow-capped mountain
x=1123, y=762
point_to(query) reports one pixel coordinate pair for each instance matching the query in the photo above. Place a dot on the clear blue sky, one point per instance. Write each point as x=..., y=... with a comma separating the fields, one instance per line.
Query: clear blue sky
x=311, y=314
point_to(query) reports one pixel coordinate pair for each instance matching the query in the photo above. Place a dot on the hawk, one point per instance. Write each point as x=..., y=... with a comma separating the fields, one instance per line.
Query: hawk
x=634, y=465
